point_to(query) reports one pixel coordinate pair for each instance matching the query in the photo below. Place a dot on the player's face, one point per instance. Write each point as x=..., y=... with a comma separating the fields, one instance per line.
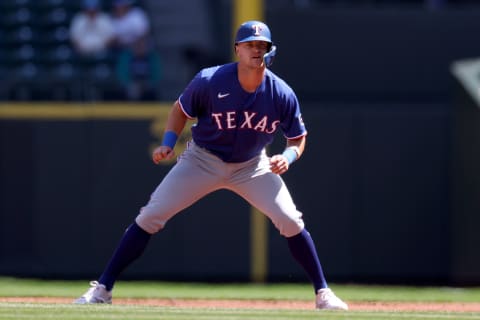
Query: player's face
x=251, y=53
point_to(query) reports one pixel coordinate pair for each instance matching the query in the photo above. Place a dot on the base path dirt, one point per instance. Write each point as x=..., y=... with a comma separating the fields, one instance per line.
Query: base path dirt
x=269, y=304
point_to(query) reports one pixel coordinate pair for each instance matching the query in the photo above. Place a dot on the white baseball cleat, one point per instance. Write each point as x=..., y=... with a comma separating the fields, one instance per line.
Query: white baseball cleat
x=96, y=294
x=327, y=300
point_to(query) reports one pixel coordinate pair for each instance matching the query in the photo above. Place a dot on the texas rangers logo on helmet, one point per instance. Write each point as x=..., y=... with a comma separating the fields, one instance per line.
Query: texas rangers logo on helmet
x=257, y=29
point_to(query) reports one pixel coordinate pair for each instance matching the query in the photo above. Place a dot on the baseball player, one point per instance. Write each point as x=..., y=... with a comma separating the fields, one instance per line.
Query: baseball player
x=238, y=107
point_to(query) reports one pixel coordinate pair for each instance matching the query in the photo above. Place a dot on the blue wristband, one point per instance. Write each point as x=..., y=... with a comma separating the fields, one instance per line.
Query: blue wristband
x=169, y=139
x=290, y=154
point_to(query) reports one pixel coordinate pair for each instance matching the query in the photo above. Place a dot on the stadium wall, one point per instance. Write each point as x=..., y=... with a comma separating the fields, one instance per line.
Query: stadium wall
x=373, y=186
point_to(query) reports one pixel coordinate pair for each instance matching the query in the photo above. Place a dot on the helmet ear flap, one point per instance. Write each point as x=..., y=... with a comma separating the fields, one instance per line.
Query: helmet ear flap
x=270, y=55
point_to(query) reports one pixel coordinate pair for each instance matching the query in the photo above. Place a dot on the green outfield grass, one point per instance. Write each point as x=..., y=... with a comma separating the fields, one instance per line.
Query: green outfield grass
x=11, y=287
x=68, y=312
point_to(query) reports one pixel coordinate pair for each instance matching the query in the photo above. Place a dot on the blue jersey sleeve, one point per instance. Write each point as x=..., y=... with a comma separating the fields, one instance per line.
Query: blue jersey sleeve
x=292, y=123
x=194, y=96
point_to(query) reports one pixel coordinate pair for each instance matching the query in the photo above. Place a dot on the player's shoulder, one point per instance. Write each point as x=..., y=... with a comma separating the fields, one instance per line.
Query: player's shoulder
x=212, y=77
x=278, y=83
x=220, y=71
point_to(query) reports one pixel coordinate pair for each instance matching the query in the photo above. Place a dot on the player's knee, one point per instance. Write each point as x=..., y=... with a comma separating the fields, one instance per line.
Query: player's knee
x=290, y=227
x=149, y=221
x=148, y=224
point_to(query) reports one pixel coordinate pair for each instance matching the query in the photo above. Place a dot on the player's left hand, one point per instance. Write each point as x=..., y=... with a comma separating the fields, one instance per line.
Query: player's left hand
x=279, y=164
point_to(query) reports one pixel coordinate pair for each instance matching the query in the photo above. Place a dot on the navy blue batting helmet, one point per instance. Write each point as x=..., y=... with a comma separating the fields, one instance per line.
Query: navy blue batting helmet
x=253, y=31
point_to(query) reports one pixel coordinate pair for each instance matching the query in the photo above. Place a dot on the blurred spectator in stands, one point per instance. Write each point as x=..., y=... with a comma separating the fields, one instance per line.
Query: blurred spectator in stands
x=131, y=23
x=139, y=71
x=91, y=30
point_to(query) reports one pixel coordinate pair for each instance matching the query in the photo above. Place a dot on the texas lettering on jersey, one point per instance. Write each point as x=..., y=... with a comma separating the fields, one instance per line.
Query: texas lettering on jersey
x=228, y=120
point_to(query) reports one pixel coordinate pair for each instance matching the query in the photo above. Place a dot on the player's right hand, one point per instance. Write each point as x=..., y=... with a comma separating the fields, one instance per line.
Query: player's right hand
x=162, y=153
x=278, y=164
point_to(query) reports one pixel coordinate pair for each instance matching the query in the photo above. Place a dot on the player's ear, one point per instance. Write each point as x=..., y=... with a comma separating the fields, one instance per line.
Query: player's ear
x=235, y=48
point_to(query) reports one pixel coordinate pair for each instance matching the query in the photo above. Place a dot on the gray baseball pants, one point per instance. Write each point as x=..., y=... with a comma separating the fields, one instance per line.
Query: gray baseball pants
x=198, y=173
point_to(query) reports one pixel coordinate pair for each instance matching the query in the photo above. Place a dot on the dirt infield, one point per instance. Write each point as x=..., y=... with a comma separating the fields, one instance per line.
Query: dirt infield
x=269, y=304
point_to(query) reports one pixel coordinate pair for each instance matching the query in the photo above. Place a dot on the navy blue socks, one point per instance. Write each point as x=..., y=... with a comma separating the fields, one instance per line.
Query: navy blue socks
x=132, y=245
x=135, y=240
x=303, y=250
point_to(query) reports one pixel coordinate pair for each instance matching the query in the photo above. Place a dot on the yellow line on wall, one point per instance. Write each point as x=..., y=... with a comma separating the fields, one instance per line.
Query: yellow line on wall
x=247, y=10
x=67, y=111
x=258, y=246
